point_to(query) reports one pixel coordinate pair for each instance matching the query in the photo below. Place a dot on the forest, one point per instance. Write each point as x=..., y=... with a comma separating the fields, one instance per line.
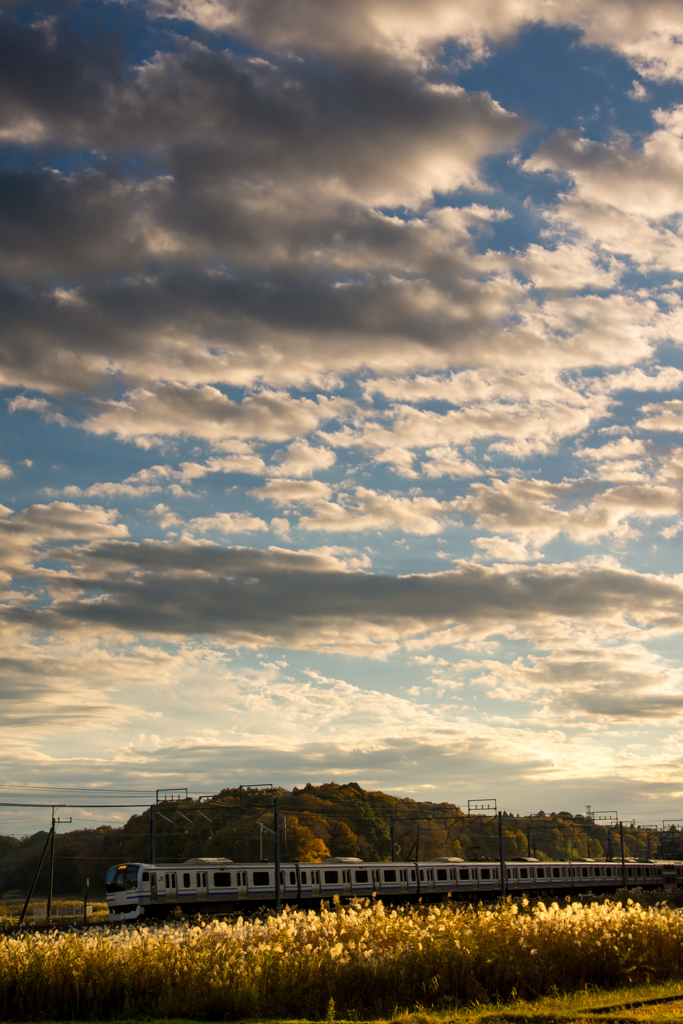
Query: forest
x=316, y=822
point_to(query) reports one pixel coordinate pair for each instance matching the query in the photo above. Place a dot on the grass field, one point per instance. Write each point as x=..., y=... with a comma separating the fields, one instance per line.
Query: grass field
x=359, y=962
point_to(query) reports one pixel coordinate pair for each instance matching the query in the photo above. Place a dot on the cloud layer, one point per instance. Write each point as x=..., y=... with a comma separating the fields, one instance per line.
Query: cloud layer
x=342, y=391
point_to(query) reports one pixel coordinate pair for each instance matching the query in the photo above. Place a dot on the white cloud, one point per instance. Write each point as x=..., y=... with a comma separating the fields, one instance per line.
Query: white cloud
x=228, y=522
x=646, y=35
x=178, y=410
x=367, y=509
x=301, y=459
x=536, y=511
x=293, y=492
x=667, y=416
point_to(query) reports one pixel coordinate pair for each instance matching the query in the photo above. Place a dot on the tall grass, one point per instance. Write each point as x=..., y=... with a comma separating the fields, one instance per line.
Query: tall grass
x=370, y=960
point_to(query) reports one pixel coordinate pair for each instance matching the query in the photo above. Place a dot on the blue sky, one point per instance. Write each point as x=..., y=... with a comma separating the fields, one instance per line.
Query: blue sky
x=341, y=419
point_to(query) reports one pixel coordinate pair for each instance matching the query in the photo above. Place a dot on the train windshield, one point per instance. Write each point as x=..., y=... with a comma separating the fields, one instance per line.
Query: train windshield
x=123, y=876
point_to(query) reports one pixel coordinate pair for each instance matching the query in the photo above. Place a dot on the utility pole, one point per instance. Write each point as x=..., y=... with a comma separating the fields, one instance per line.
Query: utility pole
x=35, y=877
x=276, y=830
x=393, y=838
x=503, y=878
x=528, y=840
x=417, y=843
x=52, y=869
x=55, y=822
x=152, y=844
x=623, y=855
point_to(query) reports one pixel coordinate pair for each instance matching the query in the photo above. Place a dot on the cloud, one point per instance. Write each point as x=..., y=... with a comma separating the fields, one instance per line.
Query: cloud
x=368, y=509
x=666, y=416
x=628, y=682
x=228, y=522
x=626, y=198
x=292, y=492
x=536, y=511
x=646, y=36
x=518, y=413
x=24, y=533
x=301, y=459
x=176, y=409
x=251, y=597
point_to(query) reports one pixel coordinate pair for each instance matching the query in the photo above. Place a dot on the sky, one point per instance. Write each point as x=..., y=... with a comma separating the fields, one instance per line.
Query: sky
x=342, y=426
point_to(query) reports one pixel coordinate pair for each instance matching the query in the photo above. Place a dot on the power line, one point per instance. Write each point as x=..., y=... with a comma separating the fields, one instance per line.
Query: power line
x=5, y=803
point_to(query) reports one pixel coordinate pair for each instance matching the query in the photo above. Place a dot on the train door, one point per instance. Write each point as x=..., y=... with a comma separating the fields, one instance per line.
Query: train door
x=202, y=885
x=242, y=887
x=346, y=878
x=376, y=880
x=404, y=880
x=171, y=885
x=153, y=896
x=430, y=878
x=315, y=883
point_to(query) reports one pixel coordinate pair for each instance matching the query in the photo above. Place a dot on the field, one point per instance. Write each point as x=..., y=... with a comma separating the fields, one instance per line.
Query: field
x=358, y=962
x=10, y=910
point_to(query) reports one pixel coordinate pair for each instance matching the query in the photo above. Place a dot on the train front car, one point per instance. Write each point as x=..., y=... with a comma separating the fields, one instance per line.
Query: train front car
x=123, y=892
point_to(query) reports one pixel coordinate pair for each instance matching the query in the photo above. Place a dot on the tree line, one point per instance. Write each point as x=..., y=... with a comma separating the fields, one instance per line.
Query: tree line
x=338, y=820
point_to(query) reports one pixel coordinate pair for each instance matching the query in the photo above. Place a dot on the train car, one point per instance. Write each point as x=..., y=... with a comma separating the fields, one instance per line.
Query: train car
x=213, y=885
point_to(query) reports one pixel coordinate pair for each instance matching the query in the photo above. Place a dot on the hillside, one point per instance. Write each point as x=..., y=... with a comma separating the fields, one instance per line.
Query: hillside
x=317, y=822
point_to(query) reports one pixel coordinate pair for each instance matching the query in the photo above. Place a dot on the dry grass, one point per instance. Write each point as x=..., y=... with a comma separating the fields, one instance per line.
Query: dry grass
x=356, y=962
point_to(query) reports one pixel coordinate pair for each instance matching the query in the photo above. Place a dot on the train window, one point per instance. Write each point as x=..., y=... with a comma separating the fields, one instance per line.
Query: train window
x=630, y=871
x=186, y=880
x=495, y=872
x=523, y=872
x=331, y=877
x=509, y=873
x=540, y=872
x=261, y=878
x=168, y=882
x=303, y=878
x=464, y=874
x=123, y=877
x=608, y=872
x=441, y=875
x=422, y=875
x=647, y=871
x=221, y=878
x=361, y=876
x=412, y=875
x=485, y=874
x=292, y=878
x=173, y=880
x=145, y=876
x=390, y=876
x=584, y=872
x=556, y=872
x=430, y=874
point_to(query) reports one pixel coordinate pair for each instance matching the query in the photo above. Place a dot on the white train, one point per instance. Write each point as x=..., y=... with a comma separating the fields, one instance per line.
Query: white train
x=210, y=885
